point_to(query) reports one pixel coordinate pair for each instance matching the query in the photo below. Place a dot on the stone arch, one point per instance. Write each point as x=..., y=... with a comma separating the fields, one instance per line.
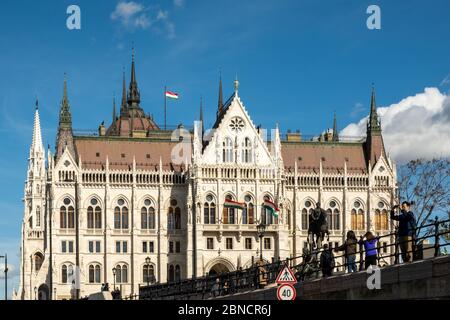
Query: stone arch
x=60, y=200
x=120, y=196
x=149, y=197
x=43, y=292
x=220, y=263
x=87, y=201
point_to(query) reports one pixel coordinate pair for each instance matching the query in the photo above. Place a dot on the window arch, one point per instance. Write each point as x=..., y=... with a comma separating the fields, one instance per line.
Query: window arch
x=334, y=215
x=148, y=215
x=228, y=214
x=306, y=211
x=209, y=210
x=148, y=273
x=248, y=214
x=174, y=216
x=94, y=215
x=66, y=272
x=67, y=214
x=38, y=260
x=267, y=217
x=121, y=273
x=38, y=216
x=247, y=150
x=381, y=217
x=357, y=216
x=121, y=215
x=94, y=273
x=227, y=153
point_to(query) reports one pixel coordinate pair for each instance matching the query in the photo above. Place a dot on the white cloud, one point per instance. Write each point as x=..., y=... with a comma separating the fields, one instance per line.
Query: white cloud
x=178, y=3
x=416, y=127
x=133, y=16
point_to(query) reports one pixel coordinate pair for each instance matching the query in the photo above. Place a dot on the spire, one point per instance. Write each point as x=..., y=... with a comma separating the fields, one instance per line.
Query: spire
x=373, y=124
x=335, y=130
x=134, y=97
x=236, y=84
x=220, y=103
x=36, y=145
x=201, y=110
x=123, y=105
x=114, y=114
x=65, y=117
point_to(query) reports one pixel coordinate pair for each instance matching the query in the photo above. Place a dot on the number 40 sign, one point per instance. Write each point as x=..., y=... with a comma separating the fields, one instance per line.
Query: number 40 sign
x=286, y=292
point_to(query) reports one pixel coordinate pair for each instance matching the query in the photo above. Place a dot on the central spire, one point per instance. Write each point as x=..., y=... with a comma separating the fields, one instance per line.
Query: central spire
x=65, y=117
x=220, y=103
x=134, y=97
x=374, y=124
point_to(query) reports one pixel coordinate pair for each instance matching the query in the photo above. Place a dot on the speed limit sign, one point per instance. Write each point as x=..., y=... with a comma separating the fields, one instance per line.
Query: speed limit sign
x=286, y=292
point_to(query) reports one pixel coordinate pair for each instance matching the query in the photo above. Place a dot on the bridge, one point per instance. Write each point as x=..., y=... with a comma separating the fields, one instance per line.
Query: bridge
x=424, y=278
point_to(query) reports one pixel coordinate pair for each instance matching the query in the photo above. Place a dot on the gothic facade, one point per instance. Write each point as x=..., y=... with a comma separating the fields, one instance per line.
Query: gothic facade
x=132, y=204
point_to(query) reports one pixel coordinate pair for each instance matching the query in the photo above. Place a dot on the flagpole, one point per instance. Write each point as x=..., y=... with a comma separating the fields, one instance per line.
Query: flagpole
x=165, y=108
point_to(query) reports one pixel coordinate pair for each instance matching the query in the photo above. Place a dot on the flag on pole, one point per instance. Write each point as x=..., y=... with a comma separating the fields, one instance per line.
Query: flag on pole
x=272, y=207
x=171, y=95
x=234, y=204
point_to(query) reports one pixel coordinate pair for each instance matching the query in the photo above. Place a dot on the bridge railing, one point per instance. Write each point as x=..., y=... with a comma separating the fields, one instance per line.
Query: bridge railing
x=305, y=266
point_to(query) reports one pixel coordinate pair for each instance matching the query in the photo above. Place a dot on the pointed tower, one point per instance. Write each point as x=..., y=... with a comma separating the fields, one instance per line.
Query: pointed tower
x=335, y=130
x=33, y=224
x=220, y=102
x=374, y=141
x=134, y=96
x=65, y=135
x=123, y=105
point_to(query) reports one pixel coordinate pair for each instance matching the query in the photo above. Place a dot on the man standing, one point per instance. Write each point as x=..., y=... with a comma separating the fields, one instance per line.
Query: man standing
x=406, y=229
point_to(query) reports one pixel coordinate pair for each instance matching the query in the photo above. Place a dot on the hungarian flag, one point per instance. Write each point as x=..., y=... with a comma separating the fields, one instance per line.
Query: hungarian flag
x=171, y=95
x=234, y=204
x=272, y=207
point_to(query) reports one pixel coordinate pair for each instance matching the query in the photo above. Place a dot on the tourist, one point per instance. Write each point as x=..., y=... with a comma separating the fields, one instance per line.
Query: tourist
x=215, y=289
x=327, y=261
x=406, y=229
x=370, y=248
x=349, y=247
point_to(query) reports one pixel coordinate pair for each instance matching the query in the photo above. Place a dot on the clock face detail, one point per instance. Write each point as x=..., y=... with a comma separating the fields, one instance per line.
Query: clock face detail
x=237, y=125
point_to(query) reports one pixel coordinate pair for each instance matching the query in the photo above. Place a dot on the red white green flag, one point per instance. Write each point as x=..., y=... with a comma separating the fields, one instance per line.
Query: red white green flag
x=234, y=204
x=272, y=207
x=171, y=95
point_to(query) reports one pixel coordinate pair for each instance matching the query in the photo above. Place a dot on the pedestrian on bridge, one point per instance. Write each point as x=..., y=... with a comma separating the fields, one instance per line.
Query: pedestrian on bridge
x=327, y=261
x=406, y=229
x=349, y=247
x=370, y=248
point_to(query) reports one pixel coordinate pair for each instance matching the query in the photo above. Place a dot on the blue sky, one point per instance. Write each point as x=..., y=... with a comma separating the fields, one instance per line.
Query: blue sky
x=297, y=62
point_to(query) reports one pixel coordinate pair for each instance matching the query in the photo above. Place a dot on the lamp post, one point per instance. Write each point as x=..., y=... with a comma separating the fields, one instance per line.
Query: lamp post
x=6, y=275
x=35, y=293
x=261, y=228
x=114, y=278
x=147, y=263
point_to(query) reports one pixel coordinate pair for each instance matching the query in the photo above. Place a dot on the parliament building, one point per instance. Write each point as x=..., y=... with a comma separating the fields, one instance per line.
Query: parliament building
x=137, y=203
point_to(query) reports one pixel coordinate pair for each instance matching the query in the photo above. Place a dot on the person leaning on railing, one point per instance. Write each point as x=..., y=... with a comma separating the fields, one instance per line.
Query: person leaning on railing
x=406, y=229
x=349, y=247
x=370, y=248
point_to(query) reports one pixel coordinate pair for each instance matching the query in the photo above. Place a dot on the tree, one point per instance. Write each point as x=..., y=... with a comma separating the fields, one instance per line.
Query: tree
x=427, y=184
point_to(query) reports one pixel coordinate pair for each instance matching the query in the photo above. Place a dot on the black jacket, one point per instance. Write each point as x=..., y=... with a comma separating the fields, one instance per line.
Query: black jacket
x=407, y=223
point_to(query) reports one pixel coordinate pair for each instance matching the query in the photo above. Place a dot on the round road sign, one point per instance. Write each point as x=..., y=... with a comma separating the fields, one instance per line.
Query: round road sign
x=286, y=292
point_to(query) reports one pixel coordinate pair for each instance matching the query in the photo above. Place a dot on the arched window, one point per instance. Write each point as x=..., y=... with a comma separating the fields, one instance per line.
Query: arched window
x=121, y=215
x=94, y=273
x=229, y=214
x=66, y=273
x=381, y=217
x=171, y=274
x=209, y=210
x=247, y=150
x=248, y=214
x=267, y=217
x=121, y=273
x=177, y=273
x=38, y=260
x=357, y=216
x=67, y=215
x=333, y=216
x=148, y=215
x=148, y=273
x=94, y=215
x=174, y=216
x=38, y=216
x=306, y=211
x=227, y=155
